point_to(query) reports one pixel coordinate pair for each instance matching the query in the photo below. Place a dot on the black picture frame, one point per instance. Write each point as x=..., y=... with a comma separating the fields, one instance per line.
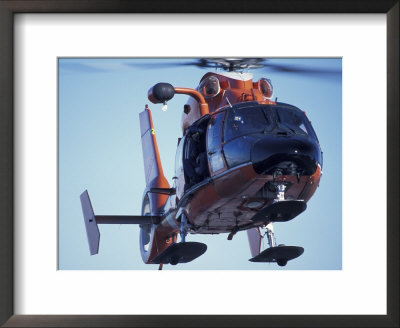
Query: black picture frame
x=10, y=7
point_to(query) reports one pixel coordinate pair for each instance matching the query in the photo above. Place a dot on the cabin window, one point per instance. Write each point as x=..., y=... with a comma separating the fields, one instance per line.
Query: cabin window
x=214, y=134
x=194, y=154
x=238, y=151
x=178, y=158
x=214, y=131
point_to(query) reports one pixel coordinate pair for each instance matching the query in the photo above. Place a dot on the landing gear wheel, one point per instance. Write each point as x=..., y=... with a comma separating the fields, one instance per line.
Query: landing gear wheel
x=281, y=262
x=174, y=260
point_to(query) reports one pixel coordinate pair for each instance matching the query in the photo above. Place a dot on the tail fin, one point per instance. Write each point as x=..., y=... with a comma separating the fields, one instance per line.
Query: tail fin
x=92, y=230
x=254, y=237
x=152, y=163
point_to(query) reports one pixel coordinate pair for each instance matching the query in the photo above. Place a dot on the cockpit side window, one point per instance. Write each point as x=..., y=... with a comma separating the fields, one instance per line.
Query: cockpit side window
x=214, y=133
x=178, y=158
x=214, y=151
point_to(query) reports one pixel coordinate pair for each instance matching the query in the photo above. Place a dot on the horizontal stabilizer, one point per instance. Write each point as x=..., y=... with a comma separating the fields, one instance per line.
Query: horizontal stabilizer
x=127, y=219
x=92, y=221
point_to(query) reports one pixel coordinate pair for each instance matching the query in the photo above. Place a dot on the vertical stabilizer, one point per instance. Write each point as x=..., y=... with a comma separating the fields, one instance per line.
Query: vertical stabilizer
x=154, y=179
x=254, y=237
x=92, y=230
x=152, y=163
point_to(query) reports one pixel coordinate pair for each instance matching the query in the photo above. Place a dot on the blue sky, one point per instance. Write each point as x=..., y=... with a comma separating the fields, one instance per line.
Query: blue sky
x=99, y=149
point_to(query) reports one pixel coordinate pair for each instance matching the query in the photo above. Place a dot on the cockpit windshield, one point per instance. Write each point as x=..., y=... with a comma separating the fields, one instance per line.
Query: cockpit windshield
x=244, y=121
x=295, y=120
x=246, y=124
x=277, y=119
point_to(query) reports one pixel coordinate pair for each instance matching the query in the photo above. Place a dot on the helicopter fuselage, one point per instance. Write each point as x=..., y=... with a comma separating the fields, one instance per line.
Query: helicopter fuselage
x=230, y=161
x=246, y=157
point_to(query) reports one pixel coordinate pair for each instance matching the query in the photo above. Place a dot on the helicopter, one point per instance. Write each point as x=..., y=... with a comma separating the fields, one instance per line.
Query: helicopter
x=244, y=161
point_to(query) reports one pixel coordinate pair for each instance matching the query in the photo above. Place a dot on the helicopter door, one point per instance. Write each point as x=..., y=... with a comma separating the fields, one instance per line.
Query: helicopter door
x=216, y=159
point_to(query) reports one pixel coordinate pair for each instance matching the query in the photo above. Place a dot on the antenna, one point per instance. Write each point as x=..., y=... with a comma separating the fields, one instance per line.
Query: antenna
x=230, y=105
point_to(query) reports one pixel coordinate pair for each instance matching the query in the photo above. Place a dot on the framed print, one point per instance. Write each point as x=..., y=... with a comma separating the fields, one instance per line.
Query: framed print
x=44, y=283
x=101, y=150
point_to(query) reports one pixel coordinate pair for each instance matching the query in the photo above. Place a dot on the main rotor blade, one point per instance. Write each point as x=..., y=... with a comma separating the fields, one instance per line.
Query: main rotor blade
x=201, y=63
x=281, y=68
x=240, y=64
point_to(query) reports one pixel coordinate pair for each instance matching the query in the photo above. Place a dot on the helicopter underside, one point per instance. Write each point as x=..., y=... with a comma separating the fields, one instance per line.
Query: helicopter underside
x=231, y=201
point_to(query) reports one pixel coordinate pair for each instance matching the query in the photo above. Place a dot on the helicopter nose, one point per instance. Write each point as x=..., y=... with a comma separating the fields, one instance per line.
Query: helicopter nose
x=290, y=155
